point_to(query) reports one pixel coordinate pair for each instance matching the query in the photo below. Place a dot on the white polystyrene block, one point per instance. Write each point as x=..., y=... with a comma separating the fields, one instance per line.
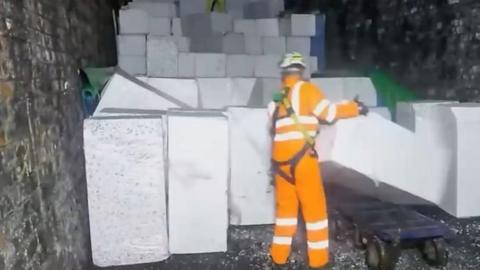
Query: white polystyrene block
x=234, y=43
x=142, y=78
x=361, y=87
x=186, y=65
x=331, y=87
x=240, y=65
x=253, y=45
x=245, y=26
x=155, y=9
x=183, y=43
x=262, y=9
x=274, y=45
x=215, y=93
x=122, y=92
x=382, y=111
x=242, y=89
x=267, y=66
x=207, y=44
x=134, y=65
x=251, y=190
x=207, y=24
x=188, y=7
x=177, y=27
x=133, y=21
x=218, y=93
x=406, y=112
x=389, y=153
x=210, y=65
x=185, y=90
x=303, y=25
x=162, y=56
x=126, y=191
x=160, y=26
x=299, y=44
x=461, y=126
x=263, y=91
x=268, y=27
x=313, y=67
x=198, y=158
x=132, y=45
x=235, y=8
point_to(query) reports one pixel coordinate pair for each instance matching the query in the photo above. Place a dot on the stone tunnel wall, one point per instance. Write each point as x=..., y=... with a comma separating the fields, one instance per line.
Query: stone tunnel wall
x=43, y=207
x=431, y=46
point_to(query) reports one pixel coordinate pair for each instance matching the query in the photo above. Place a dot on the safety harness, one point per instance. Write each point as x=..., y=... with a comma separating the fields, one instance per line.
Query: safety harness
x=309, y=146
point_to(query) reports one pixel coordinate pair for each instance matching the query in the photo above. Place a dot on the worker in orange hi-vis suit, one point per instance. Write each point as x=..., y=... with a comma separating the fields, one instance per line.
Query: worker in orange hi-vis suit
x=295, y=115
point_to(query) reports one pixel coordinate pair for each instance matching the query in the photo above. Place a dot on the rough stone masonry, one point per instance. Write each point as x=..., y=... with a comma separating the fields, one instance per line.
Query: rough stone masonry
x=43, y=211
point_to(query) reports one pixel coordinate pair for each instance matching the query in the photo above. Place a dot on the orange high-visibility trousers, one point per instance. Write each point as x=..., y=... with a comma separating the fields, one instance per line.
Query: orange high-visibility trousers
x=308, y=193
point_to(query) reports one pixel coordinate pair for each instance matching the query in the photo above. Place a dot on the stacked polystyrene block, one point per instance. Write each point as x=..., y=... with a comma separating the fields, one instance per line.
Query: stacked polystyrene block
x=132, y=53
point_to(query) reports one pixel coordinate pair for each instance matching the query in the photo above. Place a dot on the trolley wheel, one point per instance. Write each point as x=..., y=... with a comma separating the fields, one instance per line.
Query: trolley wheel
x=359, y=240
x=380, y=255
x=435, y=251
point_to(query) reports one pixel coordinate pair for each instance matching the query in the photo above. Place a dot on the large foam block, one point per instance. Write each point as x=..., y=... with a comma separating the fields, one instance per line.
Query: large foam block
x=332, y=88
x=207, y=44
x=267, y=66
x=235, y=8
x=234, y=43
x=217, y=93
x=268, y=27
x=382, y=111
x=408, y=113
x=155, y=8
x=251, y=190
x=162, y=56
x=207, y=24
x=299, y=44
x=134, y=65
x=263, y=91
x=263, y=9
x=133, y=21
x=177, y=27
x=361, y=87
x=245, y=26
x=461, y=128
x=197, y=201
x=186, y=65
x=303, y=25
x=240, y=65
x=388, y=153
x=132, y=45
x=124, y=92
x=253, y=45
x=187, y=7
x=126, y=191
x=160, y=26
x=185, y=90
x=274, y=45
x=210, y=65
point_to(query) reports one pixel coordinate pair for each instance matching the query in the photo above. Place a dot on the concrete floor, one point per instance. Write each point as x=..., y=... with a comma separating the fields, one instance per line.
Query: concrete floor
x=248, y=249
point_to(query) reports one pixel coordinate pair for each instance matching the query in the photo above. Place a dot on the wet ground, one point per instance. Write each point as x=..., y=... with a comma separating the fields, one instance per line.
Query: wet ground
x=248, y=249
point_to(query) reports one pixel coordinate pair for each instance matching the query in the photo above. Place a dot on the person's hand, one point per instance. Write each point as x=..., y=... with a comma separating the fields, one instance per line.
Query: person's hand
x=362, y=109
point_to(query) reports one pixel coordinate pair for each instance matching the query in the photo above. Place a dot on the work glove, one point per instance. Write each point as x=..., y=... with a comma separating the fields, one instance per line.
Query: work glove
x=362, y=109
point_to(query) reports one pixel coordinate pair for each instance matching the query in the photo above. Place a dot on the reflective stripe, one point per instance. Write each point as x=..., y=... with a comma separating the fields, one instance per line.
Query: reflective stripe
x=294, y=135
x=286, y=221
x=318, y=245
x=296, y=97
x=308, y=120
x=332, y=113
x=315, y=226
x=322, y=105
x=271, y=108
x=281, y=240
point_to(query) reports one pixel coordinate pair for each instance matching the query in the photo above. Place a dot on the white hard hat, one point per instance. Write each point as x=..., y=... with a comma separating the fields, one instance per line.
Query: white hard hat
x=292, y=61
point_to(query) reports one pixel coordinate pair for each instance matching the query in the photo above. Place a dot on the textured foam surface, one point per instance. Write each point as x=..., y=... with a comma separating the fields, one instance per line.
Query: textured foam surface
x=126, y=191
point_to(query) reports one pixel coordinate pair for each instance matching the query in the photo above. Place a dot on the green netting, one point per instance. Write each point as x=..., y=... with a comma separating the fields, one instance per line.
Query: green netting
x=390, y=92
x=98, y=77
